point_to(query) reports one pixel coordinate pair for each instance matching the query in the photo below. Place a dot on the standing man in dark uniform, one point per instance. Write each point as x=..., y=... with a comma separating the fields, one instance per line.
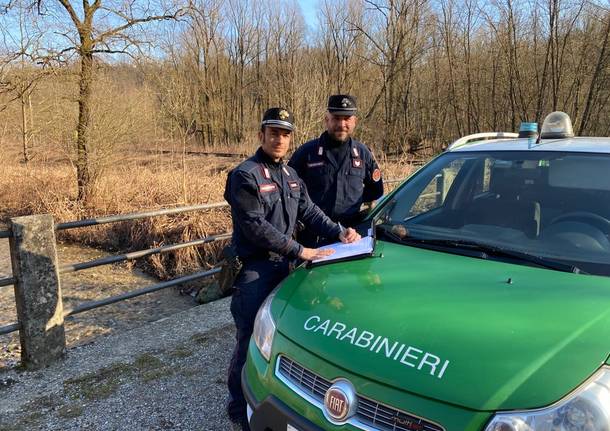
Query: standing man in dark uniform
x=267, y=197
x=341, y=174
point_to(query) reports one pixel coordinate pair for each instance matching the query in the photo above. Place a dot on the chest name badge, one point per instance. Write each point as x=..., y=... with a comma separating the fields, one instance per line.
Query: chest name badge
x=355, y=151
x=315, y=164
x=293, y=184
x=357, y=163
x=267, y=188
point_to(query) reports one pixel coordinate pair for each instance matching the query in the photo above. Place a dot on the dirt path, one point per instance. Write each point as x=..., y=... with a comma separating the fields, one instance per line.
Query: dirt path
x=168, y=375
x=87, y=285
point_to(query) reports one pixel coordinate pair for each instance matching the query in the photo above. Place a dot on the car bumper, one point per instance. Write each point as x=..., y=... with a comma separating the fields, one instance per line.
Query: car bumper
x=272, y=414
x=261, y=384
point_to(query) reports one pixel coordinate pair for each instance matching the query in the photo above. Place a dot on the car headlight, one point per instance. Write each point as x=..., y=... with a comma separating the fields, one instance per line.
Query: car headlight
x=264, y=328
x=586, y=409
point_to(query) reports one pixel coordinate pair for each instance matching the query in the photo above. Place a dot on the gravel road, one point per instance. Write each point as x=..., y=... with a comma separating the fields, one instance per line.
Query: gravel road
x=89, y=285
x=167, y=375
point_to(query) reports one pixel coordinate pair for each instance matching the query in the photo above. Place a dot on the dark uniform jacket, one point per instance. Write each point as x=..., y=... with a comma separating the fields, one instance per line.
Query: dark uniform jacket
x=340, y=186
x=267, y=199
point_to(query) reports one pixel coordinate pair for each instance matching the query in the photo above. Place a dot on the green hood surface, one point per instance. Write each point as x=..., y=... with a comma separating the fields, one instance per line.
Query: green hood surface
x=451, y=327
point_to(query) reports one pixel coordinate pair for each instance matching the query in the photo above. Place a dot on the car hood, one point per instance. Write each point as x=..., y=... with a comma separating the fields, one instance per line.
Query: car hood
x=451, y=327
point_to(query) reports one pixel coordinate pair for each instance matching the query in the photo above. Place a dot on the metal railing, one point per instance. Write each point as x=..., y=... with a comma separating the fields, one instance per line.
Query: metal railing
x=136, y=216
x=7, y=281
x=73, y=267
x=135, y=293
x=79, y=266
x=10, y=328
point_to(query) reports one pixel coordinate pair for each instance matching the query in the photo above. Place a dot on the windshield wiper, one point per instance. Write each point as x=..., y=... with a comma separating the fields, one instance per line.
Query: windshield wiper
x=485, y=250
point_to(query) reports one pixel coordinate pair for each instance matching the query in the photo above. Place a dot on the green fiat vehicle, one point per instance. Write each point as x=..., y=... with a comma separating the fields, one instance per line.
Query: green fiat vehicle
x=485, y=304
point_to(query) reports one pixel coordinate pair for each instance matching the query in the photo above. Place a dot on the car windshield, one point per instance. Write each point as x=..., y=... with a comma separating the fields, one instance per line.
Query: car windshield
x=553, y=207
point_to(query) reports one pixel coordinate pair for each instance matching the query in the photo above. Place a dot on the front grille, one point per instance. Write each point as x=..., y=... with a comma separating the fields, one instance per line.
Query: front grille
x=309, y=382
x=388, y=418
x=370, y=414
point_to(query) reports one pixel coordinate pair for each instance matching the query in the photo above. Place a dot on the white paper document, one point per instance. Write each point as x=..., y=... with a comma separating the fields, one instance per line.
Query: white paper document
x=358, y=248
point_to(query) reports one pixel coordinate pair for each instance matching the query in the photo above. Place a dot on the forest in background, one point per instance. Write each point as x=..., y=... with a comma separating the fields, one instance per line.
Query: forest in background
x=103, y=102
x=85, y=82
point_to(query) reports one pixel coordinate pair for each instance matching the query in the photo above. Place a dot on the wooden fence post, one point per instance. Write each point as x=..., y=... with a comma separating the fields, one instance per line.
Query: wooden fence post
x=37, y=290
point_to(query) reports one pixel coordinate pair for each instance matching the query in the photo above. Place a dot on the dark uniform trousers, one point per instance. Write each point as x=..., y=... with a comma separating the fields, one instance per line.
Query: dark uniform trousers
x=266, y=201
x=256, y=280
x=338, y=180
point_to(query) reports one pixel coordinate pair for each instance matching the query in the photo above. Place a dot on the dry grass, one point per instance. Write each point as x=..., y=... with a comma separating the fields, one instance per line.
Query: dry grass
x=135, y=183
x=128, y=186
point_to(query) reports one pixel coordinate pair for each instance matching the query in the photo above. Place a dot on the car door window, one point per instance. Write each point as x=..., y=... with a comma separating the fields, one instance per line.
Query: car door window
x=435, y=193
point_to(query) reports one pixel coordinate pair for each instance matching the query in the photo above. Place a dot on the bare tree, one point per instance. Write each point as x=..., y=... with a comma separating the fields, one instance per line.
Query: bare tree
x=203, y=46
x=101, y=27
x=342, y=25
x=24, y=63
x=597, y=83
x=424, y=71
x=244, y=18
x=398, y=39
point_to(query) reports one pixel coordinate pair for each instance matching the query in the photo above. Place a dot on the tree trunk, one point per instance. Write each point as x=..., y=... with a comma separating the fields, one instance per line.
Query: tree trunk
x=24, y=129
x=594, y=81
x=83, y=171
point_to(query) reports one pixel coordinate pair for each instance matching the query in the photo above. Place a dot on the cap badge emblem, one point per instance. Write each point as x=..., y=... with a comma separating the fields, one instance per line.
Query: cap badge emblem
x=344, y=102
x=283, y=114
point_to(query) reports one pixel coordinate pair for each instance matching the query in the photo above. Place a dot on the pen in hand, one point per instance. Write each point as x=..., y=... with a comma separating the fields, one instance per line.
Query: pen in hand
x=348, y=235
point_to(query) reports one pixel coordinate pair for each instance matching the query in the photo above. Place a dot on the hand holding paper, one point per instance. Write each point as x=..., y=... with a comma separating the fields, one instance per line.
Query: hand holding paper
x=315, y=253
x=362, y=247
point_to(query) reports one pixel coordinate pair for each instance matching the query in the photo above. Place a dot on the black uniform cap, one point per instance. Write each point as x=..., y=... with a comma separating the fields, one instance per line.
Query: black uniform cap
x=342, y=104
x=278, y=117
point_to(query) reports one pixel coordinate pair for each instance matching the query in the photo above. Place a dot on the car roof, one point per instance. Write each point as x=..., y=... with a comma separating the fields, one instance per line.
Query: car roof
x=580, y=144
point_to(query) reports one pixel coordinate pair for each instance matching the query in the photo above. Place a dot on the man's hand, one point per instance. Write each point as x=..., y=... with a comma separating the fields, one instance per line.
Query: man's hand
x=367, y=206
x=349, y=235
x=315, y=253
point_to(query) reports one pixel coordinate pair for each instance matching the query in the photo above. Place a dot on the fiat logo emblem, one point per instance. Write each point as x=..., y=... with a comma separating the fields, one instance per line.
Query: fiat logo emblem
x=340, y=401
x=336, y=404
